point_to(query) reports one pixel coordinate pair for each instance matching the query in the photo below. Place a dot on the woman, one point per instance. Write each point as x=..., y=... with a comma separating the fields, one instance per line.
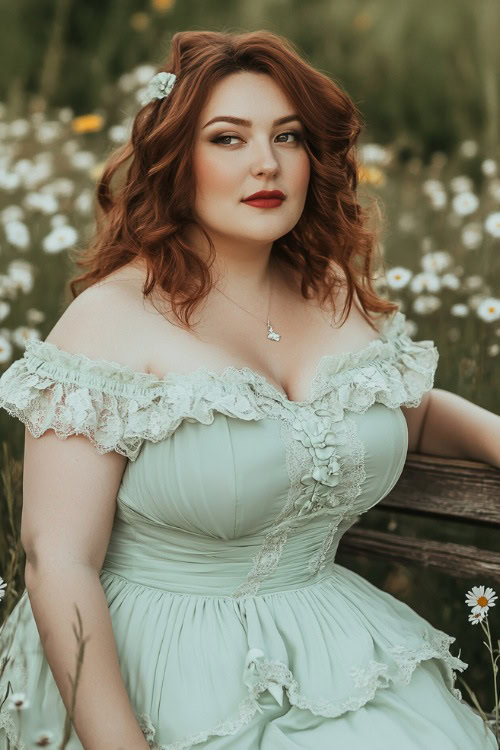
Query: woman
x=194, y=516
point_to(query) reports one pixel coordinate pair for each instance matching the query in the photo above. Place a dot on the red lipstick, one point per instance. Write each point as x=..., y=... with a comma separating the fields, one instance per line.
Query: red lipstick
x=265, y=199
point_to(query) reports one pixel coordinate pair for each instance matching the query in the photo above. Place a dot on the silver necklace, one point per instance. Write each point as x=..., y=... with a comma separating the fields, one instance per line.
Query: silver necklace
x=271, y=334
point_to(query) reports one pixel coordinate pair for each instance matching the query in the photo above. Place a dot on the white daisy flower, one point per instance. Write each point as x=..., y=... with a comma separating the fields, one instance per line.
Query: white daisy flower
x=492, y=224
x=450, y=281
x=493, y=350
x=40, y=172
x=465, y=203
x=44, y=738
x=66, y=114
x=426, y=281
x=5, y=309
x=35, y=316
x=22, y=167
x=19, y=128
x=3, y=585
x=436, y=262
x=60, y=239
x=11, y=213
x=473, y=282
x=18, y=702
x=398, y=277
x=17, y=234
x=489, y=167
x=461, y=184
x=118, y=133
x=459, y=310
x=22, y=275
x=69, y=147
x=432, y=186
x=472, y=235
x=425, y=304
x=489, y=309
x=142, y=74
x=469, y=148
x=480, y=599
x=373, y=153
x=407, y=222
x=84, y=202
x=61, y=186
x=47, y=204
x=477, y=617
x=127, y=82
x=82, y=159
x=58, y=220
x=439, y=200
x=9, y=180
x=48, y=132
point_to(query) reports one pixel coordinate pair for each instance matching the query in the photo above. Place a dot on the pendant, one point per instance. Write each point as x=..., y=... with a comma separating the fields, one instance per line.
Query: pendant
x=272, y=334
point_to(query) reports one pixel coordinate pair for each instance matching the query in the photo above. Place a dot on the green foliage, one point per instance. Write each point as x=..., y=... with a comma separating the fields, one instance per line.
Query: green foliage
x=421, y=71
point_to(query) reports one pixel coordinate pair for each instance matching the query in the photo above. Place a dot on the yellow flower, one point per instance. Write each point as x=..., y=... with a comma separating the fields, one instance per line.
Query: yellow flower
x=372, y=175
x=162, y=6
x=87, y=123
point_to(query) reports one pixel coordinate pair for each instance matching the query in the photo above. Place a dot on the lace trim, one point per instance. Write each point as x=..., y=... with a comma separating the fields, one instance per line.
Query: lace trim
x=325, y=463
x=118, y=408
x=262, y=674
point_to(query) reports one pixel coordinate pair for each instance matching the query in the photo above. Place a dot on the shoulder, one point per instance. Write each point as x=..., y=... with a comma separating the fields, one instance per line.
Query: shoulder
x=106, y=321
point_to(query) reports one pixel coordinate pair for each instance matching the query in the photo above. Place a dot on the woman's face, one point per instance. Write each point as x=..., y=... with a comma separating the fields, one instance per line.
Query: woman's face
x=233, y=161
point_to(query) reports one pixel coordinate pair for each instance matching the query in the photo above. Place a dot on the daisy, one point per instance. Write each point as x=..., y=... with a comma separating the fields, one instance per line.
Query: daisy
x=44, y=738
x=398, y=277
x=461, y=184
x=477, y=617
x=18, y=701
x=489, y=309
x=492, y=224
x=436, y=261
x=480, y=599
x=59, y=239
x=465, y=203
x=489, y=167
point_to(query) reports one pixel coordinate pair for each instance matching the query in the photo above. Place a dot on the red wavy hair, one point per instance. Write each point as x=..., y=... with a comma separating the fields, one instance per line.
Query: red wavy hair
x=145, y=216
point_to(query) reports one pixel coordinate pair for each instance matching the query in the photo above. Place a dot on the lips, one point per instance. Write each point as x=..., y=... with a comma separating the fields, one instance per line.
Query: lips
x=266, y=194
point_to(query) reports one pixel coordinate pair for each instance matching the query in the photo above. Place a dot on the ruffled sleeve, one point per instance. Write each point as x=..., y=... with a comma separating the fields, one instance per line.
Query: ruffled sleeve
x=49, y=388
x=411, y=365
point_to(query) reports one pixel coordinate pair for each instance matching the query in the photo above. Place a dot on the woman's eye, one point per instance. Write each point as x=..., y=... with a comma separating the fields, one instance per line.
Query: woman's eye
x=220, y=138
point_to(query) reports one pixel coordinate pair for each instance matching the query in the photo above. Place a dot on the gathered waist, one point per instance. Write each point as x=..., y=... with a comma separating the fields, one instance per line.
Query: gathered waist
x=174, y=561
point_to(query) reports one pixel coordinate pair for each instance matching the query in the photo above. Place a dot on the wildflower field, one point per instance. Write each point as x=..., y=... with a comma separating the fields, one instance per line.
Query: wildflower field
x=441, y=247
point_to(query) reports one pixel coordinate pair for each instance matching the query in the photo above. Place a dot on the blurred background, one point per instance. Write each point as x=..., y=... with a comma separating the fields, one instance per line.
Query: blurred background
x=425, y=77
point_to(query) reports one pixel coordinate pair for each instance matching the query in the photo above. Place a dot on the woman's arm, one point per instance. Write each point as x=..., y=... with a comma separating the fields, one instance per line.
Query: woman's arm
x=69, y=500
x=450, y=425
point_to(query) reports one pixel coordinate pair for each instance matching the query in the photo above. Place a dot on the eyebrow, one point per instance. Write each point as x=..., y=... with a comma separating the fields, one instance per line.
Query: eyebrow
x=247, y=123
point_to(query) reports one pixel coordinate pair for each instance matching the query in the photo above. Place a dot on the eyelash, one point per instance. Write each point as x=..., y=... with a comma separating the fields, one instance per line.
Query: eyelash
x=218, y=138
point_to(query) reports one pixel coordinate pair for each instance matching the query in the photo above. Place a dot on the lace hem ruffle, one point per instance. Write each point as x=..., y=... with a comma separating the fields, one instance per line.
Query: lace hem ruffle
x=118, y=408
x=262, y=674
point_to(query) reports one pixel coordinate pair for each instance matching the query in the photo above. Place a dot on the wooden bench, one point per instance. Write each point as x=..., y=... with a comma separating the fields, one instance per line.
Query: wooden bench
x=444, y=489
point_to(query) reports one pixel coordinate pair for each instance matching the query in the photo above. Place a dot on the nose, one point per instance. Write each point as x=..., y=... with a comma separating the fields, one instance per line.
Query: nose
x=264, y=161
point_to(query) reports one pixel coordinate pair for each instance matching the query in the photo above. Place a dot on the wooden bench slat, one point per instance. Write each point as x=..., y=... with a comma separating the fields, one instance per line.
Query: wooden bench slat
x=447, y=487
x=456, y=560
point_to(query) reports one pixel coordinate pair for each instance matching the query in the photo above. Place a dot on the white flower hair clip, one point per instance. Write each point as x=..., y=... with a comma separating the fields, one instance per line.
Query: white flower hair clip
x=159, y=87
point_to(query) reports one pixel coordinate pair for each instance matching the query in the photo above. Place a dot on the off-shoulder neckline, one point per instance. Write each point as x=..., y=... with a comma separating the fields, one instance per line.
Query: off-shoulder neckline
x=331, y=363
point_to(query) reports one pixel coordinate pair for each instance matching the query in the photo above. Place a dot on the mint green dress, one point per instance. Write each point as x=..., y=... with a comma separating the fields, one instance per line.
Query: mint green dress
x=234, y=625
